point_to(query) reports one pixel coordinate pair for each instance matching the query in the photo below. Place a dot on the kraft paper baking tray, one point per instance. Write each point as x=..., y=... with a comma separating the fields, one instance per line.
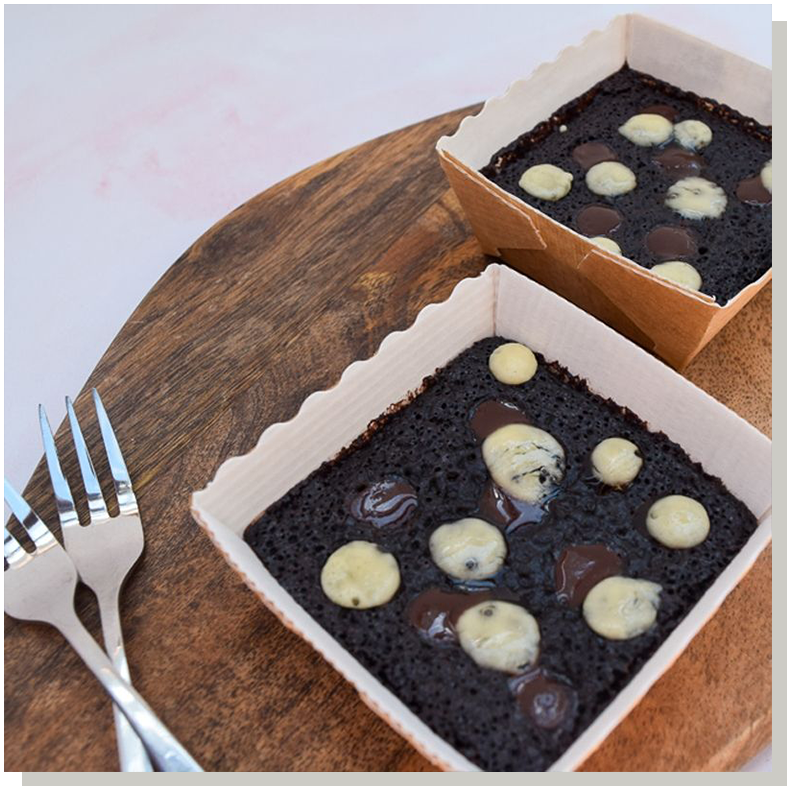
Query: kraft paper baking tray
x=672, y=322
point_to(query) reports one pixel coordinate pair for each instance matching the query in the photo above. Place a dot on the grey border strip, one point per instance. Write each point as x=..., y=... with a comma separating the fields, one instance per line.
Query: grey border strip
x=779, y=408
x=404, y=779
x=777, y=777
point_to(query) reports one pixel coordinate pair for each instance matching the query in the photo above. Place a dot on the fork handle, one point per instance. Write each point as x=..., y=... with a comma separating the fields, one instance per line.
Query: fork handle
x=167, y=753
x=132, y=752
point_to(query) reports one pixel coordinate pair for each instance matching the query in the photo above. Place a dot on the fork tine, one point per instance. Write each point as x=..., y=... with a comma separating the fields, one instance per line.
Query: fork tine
x=13, y=552
x=64, y=502
x=94, y=494
x=122, y=480
x=28, y=518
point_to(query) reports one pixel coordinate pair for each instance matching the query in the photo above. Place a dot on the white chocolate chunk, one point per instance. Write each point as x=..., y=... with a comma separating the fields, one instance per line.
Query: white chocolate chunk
x=616, y=462
x=360, y=575
x=610, y=179
x=512, y=363
x=607, y=244
x=678, y=521
x=766, y=176
x=525, y=462
x=680, y=273
x=647, y=129
x=469, y=549
x=499, y=635
x=546, y=181
x=693, y=134
x=621, y=608
x=696, y=198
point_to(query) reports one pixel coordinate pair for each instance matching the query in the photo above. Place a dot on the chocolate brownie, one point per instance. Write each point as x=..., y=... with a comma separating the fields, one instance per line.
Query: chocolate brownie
x=430, y=446
x=732, y=251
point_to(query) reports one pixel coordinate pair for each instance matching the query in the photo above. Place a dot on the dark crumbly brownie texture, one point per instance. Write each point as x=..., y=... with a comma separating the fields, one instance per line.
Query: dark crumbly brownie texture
x=734, y=250
x=430, y=444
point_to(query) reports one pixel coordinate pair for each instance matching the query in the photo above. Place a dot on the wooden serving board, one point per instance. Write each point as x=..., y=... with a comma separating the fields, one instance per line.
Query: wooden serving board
x=270, y=305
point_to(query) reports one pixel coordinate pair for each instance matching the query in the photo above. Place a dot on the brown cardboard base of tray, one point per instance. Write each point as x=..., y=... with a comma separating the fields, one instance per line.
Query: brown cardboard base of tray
x=267, y=307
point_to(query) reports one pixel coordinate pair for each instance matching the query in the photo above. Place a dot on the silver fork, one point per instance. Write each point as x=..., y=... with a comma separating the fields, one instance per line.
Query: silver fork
x=40, y=586
x=104, y=551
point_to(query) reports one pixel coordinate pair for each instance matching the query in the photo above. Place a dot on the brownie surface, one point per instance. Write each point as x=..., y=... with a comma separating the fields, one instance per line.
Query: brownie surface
x=429, y=443
x=733, y=251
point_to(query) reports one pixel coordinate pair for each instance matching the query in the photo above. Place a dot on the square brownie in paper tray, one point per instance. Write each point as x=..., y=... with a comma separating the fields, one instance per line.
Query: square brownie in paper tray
x=280, y=511
x=566, y=118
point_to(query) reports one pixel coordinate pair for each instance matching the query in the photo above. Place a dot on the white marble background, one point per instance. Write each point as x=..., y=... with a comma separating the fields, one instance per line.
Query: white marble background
x=130, y=130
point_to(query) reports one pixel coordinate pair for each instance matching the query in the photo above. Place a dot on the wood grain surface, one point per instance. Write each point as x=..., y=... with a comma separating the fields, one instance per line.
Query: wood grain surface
x=270, y=305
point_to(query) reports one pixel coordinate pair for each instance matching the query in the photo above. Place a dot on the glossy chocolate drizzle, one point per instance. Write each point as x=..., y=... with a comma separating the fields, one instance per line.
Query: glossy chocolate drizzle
x=385, y=503
x=598, y=220
x=670, y=242
x=591, y=153
x=580, y=567
x=679, y=163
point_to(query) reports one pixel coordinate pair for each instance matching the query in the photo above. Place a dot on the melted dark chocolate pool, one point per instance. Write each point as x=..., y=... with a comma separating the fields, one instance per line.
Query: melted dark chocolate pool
x=669, y=242
x=435, y=612
x=752, y=191
x=598, y=220
x=493, y=414
x=385, y=503
x=591, y=153
x=508, y=513
x=549, y=703
x=582, y=566
x=679, y=163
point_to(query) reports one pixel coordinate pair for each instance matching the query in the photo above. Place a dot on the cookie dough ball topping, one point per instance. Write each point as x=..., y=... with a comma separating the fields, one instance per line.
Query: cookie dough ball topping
x=766, y=176
x=469, y=549
x=679, y=273
x=360, y=575
x=678, y=522
x=621, y=608
x=546, y=181
x=499, y=635
x=696, y=198
x=525, y=462
x=693, y=134
x=616, y=462
x=647, y=129
x=610, y=178
x=512, y=363
x=607, y=244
